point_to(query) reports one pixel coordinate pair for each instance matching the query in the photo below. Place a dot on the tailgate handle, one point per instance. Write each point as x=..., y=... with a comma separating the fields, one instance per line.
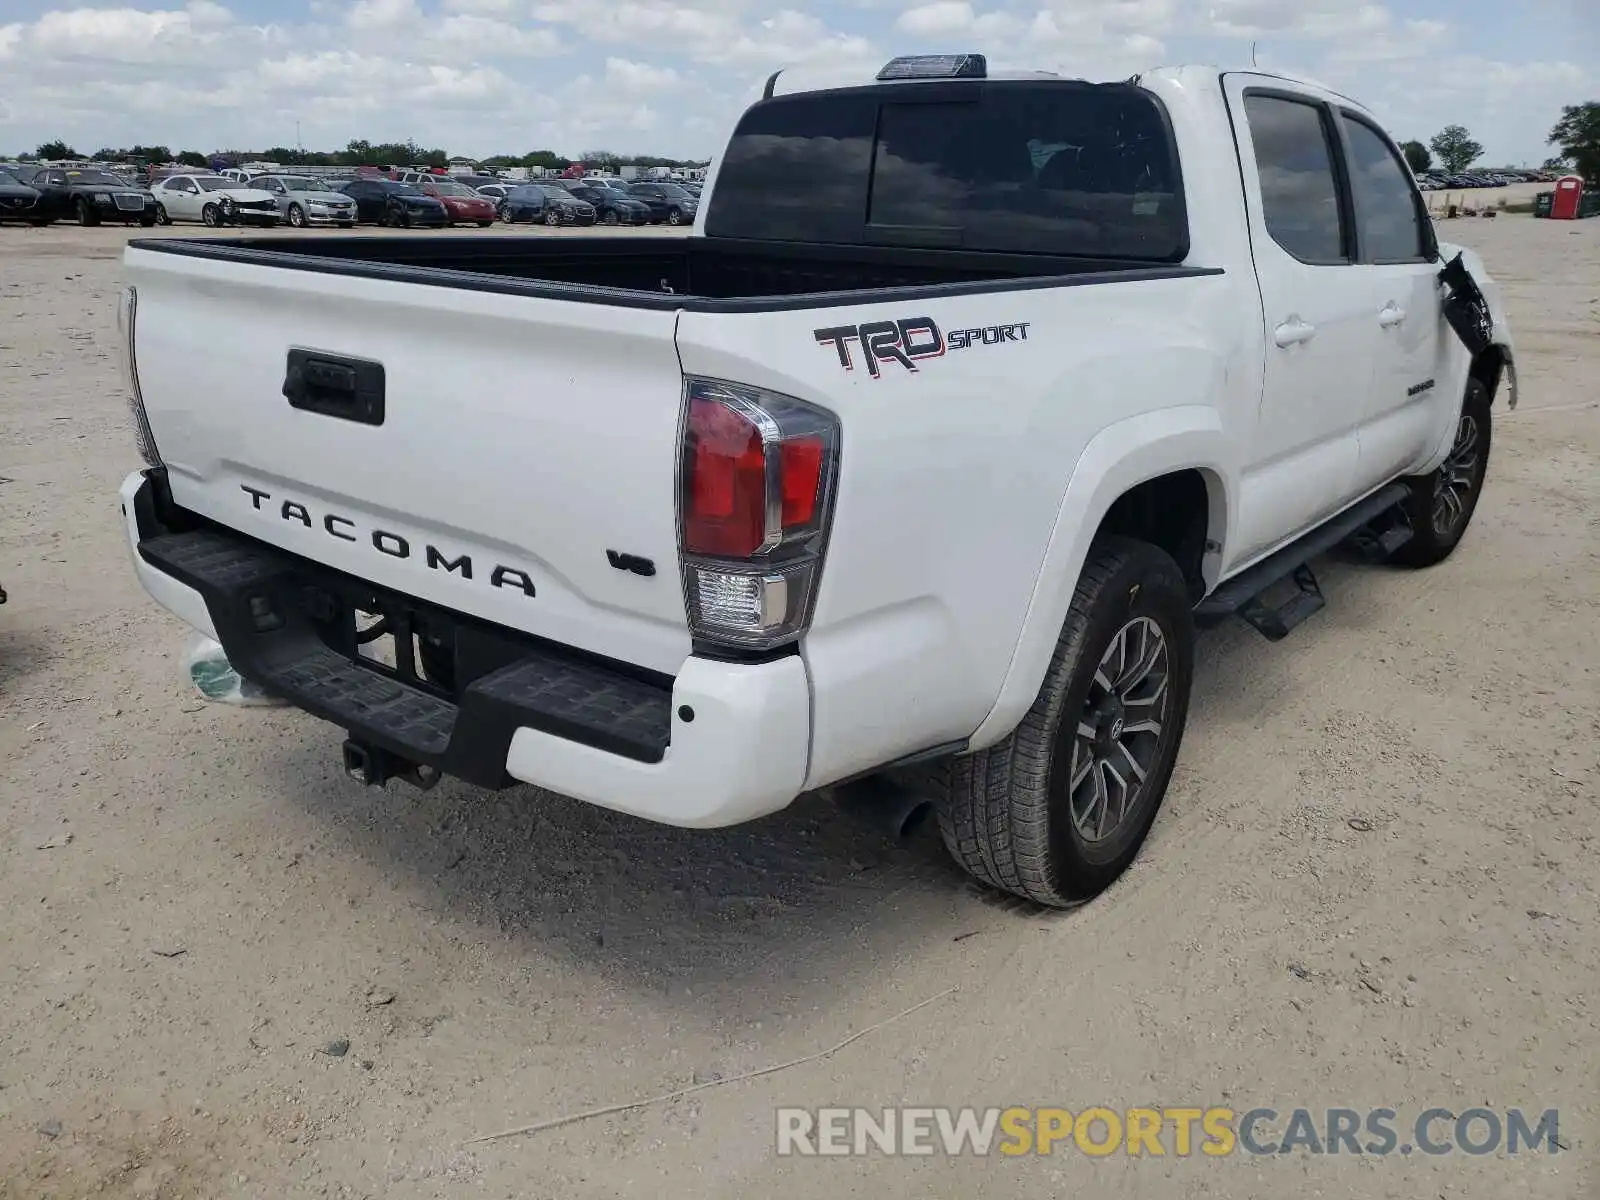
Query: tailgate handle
x=350, y=389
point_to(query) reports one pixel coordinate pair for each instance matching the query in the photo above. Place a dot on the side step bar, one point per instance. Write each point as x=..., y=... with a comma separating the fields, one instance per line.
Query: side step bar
x=1243, y=595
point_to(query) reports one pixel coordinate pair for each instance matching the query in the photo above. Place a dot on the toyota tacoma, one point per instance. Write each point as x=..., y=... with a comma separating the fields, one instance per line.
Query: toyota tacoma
x=970, y=398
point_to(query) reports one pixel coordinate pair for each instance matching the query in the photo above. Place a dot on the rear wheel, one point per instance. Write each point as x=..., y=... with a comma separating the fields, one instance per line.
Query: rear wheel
x=86, y=215
x=1056, y=811
x=1442, y=502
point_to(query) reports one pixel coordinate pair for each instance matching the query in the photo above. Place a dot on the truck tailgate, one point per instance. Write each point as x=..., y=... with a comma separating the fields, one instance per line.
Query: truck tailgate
x=525, y=443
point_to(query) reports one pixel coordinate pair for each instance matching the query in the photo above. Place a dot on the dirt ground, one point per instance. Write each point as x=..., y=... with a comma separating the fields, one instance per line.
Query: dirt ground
x=1373, y=883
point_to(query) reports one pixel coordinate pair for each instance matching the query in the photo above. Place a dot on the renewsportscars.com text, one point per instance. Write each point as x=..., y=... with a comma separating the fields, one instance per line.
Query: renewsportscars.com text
x=1162, y=1132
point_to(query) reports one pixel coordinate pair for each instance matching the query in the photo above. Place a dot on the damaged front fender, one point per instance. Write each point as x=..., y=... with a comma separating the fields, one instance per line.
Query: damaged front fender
x=1475, y=312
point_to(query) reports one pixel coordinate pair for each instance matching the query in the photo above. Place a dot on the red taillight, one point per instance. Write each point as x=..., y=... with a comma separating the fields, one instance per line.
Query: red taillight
x=802, y=480
x=756, y=485
x=725, y=491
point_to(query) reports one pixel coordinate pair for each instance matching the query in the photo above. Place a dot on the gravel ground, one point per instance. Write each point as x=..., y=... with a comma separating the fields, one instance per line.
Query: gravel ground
x=228, y=971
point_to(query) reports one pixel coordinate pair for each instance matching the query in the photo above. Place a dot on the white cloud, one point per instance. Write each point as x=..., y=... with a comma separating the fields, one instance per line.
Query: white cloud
x=639, y=77
x=957, y=18
x=491, y=37
x=482, y=8
x=1309, y=18
x=383, y=14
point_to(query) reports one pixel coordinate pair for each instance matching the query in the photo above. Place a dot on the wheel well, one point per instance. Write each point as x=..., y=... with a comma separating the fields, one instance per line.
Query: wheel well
x=1487, y=368
x=1172, y=512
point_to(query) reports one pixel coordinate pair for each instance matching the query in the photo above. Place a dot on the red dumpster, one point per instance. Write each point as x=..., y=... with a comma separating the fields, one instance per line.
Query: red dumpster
x=1568, y=198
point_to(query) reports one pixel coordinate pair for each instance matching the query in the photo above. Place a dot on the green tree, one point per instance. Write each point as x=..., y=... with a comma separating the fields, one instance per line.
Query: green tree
x=193, y=158
x=1578, y=135
x=55, y=149
x=1455, y=148
x=1417, y=156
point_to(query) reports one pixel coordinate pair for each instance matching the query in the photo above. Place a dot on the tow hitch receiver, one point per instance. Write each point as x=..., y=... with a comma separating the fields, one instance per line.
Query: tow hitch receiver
x=374, y=767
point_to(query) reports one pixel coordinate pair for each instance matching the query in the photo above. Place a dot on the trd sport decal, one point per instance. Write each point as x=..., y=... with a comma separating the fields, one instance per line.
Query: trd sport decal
x=910, y=341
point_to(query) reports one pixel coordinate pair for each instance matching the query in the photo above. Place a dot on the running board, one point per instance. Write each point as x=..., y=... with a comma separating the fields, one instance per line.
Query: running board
x=1243, y=594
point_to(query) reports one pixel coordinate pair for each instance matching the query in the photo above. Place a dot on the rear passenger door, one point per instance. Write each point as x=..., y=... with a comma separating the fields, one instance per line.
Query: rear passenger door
x=1320, y=326
x=1398, y=265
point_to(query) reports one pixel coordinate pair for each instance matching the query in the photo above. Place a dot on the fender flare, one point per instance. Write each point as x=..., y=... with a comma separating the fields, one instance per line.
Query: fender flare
x=1118, y=458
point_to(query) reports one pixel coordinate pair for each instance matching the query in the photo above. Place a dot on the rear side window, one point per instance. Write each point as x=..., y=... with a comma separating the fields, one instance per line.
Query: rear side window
x=1059, y=168
x=1299, y=192
x=1387, y=208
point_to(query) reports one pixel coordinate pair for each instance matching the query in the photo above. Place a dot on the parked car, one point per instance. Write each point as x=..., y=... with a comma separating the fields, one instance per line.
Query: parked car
x=496, y=193
x=701, y=598
x=386, y=202
x=304, y=201
x=462, y=205
x=668, y=202
x=611, y=205
x=91, y=196
x=19, y=201
x=548, y=203
x=212, y=200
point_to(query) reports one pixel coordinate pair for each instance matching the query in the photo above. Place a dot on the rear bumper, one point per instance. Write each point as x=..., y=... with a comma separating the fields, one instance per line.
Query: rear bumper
x=718, y=744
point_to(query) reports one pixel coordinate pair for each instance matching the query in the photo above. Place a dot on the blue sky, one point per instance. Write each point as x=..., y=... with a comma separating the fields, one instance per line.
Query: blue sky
x=666, y=76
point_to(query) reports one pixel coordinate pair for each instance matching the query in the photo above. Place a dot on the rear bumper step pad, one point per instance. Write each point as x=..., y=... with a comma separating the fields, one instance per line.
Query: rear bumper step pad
x=274, y=636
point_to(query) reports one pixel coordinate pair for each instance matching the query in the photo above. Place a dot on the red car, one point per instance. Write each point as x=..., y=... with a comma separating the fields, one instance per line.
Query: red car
x=462, y=205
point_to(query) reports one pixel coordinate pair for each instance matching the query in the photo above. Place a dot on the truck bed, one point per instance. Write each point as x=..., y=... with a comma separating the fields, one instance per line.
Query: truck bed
x=696, y=273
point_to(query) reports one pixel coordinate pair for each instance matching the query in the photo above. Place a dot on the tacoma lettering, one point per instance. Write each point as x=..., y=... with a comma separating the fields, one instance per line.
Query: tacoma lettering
x=385, y=542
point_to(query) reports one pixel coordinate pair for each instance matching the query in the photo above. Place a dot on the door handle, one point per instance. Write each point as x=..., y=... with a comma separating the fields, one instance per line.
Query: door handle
x=1293, y=332
x=1391, y=315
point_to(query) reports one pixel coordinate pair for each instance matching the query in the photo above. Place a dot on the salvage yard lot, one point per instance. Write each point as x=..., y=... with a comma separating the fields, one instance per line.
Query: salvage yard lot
x=227, y=970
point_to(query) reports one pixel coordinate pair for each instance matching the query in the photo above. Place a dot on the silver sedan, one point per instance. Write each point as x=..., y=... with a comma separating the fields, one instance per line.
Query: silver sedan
x=304, y=201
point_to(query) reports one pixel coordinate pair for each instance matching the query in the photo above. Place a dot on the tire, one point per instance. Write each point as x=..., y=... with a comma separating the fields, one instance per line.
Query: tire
x=347, y=224
x=87, y=217
x=40, y=222
x=674, y=216
x=1441, y=503
x=484, y=224
x=610, y=217
x=297, y=216
x=161, y=215
x=551, y=217
x=505, y=214
x=1008, y=814
x=210, y=215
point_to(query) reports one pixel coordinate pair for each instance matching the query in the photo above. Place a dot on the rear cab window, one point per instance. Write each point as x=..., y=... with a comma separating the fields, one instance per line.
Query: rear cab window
x=1047, y=167
x=1295, y=156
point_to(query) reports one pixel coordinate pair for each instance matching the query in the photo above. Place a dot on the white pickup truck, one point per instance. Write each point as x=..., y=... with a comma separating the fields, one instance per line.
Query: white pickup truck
x=971, y=396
